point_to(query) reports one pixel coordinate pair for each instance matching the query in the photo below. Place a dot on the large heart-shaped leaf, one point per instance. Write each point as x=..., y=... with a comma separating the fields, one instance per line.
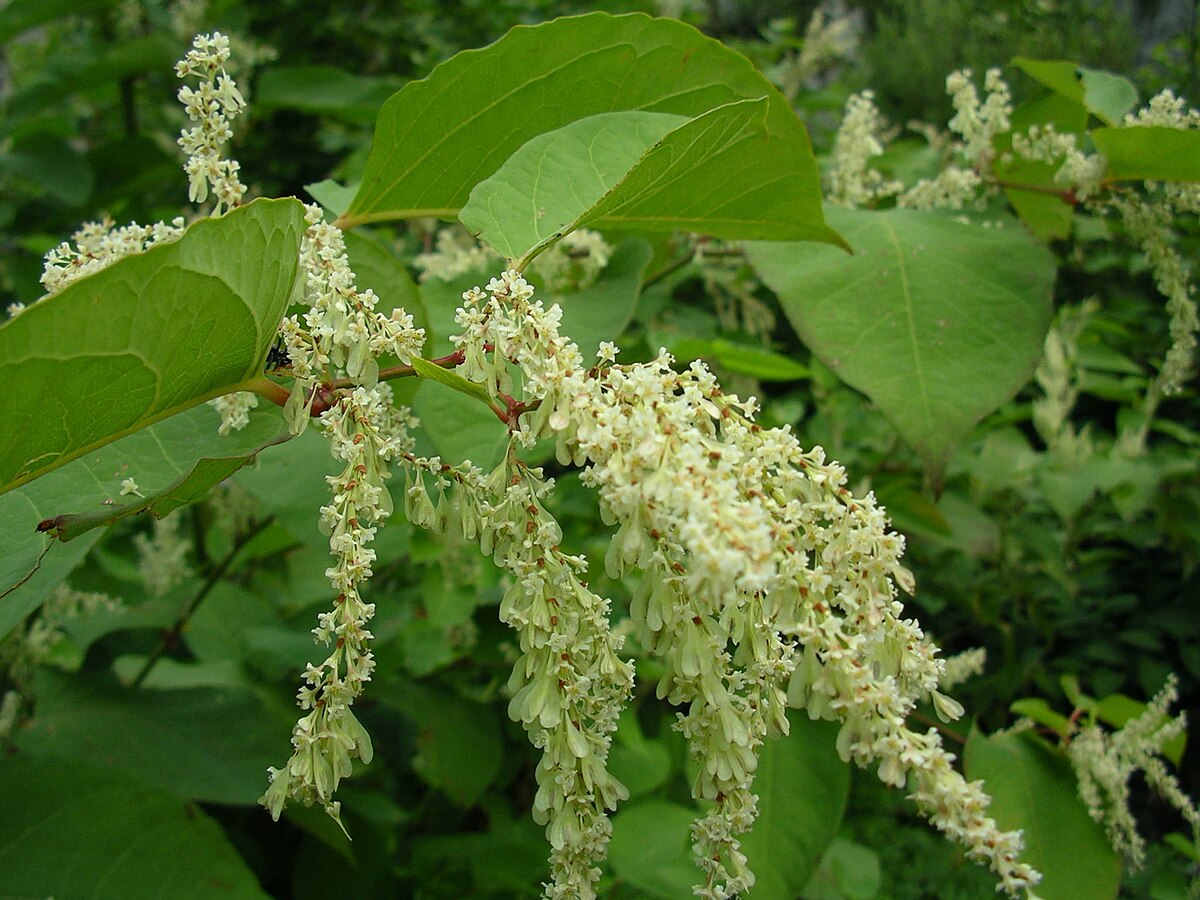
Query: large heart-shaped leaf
x=1033, y=789
x=172, y=462
x=146, y=338
x=84, y=830
x=437, y=138
x=936, y=319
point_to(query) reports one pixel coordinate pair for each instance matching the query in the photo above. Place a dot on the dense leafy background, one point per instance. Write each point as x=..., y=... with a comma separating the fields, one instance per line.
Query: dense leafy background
x=1057, y=567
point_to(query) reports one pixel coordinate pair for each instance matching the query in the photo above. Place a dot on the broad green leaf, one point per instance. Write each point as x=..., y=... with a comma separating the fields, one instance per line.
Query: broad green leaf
x=720, y=174
x=802, y=787
x=937, y=320
x=210, y=745
x=544, y=189
x=173, y=462
x=146, y=338
x=1033, y=788
x=1149, y=153
x=437, y=138
x=1106, y=96
x=323, y=90
x=651, y=849
x=459, y=749
x=81, y=829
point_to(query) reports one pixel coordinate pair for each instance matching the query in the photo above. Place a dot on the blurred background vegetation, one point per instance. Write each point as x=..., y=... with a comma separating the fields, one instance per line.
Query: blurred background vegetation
x=1057, y=564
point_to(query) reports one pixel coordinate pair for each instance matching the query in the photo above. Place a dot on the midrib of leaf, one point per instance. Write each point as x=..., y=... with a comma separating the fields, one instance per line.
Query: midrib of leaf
x=910, y=318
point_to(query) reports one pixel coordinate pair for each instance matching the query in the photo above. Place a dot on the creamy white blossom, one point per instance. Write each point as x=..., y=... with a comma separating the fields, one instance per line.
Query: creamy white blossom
x=1105, y=762
x=212, y=105
x=764, y=579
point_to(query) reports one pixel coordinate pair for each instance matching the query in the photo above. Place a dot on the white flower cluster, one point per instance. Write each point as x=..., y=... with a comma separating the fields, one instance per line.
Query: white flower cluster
x=162, y=557
x=234, y=410
x=100, y=244
x=342, y=334
x=979, y=123
x=571, y=264
x=568, y=684
x=366, y=432
x=750, y=549
x=1082, y=172
x=1166, y=110
x=212, y=106
x=852, y=181
x=1105, y=762
x=1058, y=375
x=962, y=666
x=342, y=331
x=455, y=253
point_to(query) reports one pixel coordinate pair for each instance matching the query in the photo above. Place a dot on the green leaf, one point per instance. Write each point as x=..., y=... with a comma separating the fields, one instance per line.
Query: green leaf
x=84, y=830
x=721, y=173
x=937, y=320
x=1042, y=209
x=1155, y=153
x=459, y=750
x=803, y=787
x=146, y=338
x=333, y=196
x=751, y=360
x=547, y=187
x=439, y=137
x=206, y=744
x=323, y=90
x=451, y=379
x=1039, y=709
x=651, y=849
x=1106, y=96
x=173, y=462
x=1033, y=788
